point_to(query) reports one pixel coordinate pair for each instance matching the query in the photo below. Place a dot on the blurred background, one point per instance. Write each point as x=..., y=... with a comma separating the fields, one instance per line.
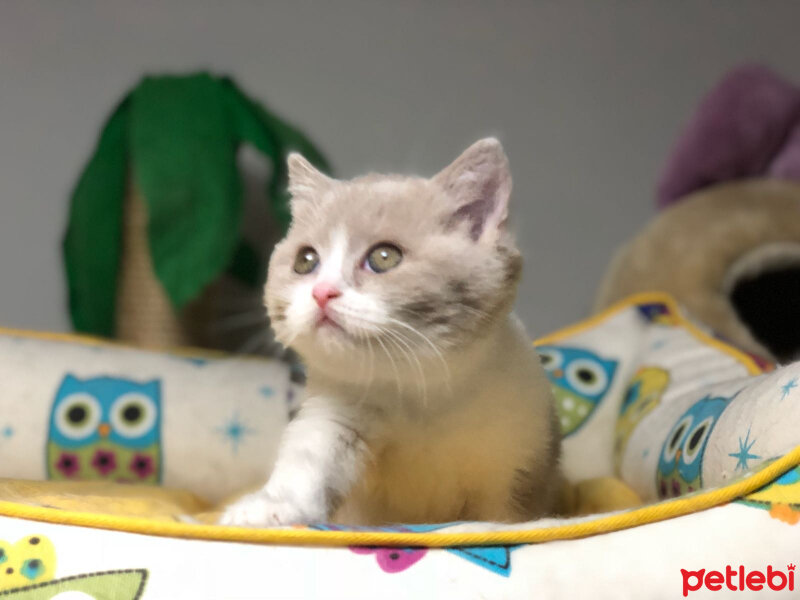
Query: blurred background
x=587, y=97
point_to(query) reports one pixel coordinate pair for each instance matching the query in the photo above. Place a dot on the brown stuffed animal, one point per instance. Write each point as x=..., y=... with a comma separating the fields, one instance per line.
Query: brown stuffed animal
x=727, y=245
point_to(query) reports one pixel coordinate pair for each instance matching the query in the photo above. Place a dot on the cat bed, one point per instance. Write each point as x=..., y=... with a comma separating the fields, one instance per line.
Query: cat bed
x=687, y=445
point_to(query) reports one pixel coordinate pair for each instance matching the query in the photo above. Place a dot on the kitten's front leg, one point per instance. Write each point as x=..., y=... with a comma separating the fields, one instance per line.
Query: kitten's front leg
x=320, y=458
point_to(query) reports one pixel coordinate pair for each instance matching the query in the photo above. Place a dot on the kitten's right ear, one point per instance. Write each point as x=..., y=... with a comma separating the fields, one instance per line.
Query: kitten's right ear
x=305, y=181
x=478, y=184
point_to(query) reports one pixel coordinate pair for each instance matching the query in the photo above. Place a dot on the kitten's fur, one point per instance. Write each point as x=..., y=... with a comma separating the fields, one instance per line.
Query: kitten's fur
x=428, y=403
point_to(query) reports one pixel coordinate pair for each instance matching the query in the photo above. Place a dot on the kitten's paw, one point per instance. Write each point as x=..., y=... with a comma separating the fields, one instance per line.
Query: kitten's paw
x=262, y=510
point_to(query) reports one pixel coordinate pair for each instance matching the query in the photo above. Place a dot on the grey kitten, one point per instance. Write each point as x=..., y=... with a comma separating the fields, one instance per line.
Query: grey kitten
x=426, y=400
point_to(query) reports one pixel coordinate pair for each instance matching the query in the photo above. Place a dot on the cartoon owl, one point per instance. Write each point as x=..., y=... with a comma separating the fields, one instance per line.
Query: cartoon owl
x=681, y=460
x=580, y=380
x=31, y=560
x=105, y=428
x=643, y=395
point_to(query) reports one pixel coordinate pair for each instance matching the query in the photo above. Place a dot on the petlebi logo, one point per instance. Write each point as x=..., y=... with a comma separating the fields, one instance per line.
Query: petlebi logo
x=739, y=580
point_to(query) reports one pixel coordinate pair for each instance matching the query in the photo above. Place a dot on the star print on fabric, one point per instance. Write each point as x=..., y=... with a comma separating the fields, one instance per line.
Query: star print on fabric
x=494, y=558
x=234, y=431
x=266, y=391
x=743, y=455
x=7, y=431
x=787, y=388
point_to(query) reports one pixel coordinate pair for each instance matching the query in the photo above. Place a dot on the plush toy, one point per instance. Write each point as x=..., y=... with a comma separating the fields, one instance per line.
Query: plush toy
x=727, y=241
x=156, y=216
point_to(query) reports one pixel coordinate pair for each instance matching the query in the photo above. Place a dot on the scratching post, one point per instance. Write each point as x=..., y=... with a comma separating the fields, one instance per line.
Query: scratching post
x=144, y=314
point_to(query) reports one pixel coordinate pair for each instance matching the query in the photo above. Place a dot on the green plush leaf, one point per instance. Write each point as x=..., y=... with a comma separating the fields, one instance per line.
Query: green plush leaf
x=183, y=151
x=177, y=137
x=276, y=139
x=92, y=242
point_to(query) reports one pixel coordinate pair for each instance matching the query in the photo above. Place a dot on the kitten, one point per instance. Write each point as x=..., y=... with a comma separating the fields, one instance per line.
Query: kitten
x=426, y=401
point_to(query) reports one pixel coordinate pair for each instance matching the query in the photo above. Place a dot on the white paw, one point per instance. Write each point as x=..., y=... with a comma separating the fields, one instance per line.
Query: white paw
x=262, y=510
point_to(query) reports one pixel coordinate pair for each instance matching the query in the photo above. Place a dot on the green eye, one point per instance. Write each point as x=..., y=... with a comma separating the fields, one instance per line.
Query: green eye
x=384, y=257
x=306, y=261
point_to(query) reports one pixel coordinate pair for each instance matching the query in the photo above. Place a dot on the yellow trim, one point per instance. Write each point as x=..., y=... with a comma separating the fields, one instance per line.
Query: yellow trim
x=616, y=522
x=602, y=524
x=646, y=298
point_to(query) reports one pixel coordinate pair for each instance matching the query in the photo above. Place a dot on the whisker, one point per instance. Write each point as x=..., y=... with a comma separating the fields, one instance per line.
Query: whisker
x=422, y=385
x=362, y=336
x=433, y=346
x=402, y=342
x=394, y=367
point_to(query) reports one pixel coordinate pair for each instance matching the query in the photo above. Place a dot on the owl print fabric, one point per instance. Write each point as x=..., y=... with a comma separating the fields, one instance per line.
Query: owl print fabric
x=640, y=391
x=580, y=380
x=658, y=401
x=681, y=456
x=105, y=428
x=78, y=411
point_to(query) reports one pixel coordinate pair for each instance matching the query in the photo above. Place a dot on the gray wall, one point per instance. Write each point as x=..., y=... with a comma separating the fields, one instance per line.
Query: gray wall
x=586, y=96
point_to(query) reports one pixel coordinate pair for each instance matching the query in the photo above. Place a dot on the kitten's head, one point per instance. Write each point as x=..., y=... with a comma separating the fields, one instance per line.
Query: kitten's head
x=387, y=264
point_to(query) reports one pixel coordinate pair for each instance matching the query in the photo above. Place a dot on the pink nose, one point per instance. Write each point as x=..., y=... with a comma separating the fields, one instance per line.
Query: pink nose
x=323, y=292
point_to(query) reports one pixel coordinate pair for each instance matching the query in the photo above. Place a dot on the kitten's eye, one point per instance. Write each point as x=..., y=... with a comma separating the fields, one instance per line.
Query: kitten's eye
x=306, y=261
x=384, y=257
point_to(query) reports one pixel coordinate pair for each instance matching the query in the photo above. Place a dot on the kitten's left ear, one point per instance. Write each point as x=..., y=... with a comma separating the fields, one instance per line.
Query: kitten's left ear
x=479, y=184
x=305, y=181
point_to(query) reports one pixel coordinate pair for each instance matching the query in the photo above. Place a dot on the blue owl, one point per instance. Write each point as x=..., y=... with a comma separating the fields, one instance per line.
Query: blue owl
x=580, y=379
x=105, y=428
x=681, y=460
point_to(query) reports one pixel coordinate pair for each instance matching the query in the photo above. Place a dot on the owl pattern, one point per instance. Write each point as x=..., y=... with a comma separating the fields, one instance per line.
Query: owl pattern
x=105, y=428
x=641, y=398
x=580, y=380
x=680, y=463
x=29, y=561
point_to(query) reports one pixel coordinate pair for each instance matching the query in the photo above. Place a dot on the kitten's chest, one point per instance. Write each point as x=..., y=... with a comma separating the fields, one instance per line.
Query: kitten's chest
x=436, y=471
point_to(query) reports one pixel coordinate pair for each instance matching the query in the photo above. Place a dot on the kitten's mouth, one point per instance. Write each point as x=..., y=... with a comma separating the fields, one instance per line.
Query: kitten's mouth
x=324, y=320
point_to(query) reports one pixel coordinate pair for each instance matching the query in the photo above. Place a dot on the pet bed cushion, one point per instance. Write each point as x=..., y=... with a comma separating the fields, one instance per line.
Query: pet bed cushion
x=73, y=408
x=634, y=386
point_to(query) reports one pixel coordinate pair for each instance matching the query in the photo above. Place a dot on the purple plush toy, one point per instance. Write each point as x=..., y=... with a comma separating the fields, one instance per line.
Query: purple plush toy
x=747, y=126
x=727, y=243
